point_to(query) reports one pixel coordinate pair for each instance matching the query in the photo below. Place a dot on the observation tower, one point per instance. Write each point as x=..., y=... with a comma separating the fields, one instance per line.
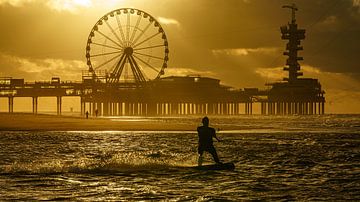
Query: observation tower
x=294, y=95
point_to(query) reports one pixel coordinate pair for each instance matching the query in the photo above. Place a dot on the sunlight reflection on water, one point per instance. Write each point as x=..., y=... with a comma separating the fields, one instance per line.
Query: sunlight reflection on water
x=280, y=162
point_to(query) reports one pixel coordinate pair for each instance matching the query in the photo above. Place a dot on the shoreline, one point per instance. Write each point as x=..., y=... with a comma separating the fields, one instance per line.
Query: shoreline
x=45, y=122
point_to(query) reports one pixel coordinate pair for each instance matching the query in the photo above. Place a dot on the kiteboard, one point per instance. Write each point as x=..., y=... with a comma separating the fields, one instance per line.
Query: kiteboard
x=223, y=166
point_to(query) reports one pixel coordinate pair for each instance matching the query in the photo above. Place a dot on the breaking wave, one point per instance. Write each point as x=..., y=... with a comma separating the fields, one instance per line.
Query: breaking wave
x=104, y=164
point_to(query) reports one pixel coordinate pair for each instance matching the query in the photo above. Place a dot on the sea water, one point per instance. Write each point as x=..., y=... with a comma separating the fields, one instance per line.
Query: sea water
x=276, y=158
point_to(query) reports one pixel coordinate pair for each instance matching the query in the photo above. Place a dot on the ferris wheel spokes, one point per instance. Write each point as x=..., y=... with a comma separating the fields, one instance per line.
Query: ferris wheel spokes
x=145, y=40
x=128, y=48
x=102, y=54
x=142, y=33
x=107, y=62
x=110, y=39
x=150, y=56
x=117, y=48
x=114, y=33
x=151, y=67
x=135, y=29
x=120, y=27
x=127, y=28
x=149, y=47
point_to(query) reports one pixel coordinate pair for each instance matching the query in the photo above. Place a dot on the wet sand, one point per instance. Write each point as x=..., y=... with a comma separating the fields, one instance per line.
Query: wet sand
x=30, y=122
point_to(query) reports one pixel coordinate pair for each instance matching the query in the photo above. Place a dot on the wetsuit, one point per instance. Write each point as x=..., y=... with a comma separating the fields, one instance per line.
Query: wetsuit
x=206, y=135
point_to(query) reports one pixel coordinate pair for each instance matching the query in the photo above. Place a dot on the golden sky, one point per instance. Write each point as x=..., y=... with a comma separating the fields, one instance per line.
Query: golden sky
x=237, y=41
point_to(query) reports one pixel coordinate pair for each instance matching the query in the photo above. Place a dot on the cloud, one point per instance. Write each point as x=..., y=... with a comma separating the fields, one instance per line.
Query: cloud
x=68, y=5
x=277, y=73
x=58, y=5
x=330, y=20
x=41, y=69
x=168, y=21
x=356, y=3
x=246, y=51
x=44, y=69
x=175, y=71
x=15, y=3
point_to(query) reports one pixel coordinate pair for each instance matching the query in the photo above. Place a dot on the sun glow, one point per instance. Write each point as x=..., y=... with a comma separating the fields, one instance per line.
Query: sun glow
x=60, y=5
x=69, y=5
x=73, y=6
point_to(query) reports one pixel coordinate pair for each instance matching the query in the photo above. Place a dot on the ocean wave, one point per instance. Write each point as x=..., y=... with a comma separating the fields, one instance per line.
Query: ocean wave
x=102, y=164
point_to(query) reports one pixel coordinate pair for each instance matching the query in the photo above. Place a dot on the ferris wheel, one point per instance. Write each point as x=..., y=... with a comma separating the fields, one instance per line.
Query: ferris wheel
x=129, y=45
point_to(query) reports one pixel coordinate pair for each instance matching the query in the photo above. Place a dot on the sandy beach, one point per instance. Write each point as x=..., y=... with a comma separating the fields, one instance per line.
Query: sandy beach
x=41, y=122
x=30, y=122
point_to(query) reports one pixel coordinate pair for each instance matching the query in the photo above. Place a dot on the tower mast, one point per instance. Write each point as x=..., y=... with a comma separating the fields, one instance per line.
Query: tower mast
x=293, y=35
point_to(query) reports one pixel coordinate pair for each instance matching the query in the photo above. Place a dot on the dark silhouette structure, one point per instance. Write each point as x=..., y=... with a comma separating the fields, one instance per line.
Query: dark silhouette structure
x=125, y=77
x=294, y=95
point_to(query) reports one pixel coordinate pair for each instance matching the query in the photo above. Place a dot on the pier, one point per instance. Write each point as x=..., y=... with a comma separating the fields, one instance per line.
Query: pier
x=123, y=89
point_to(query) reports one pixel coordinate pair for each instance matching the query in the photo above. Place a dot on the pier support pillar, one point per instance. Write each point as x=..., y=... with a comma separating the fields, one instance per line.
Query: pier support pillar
x=270, y=108
x=35, y=105
x=82, y=106
x=109, y=105
x=58, y=105
x=99, y=108
x=121, y=109
x=174, y=108
x=210, y=108
x=106, y=108
x=151, y=109
x=11, y=104
x=94, y=108
x=251, y=108
x=289, y=108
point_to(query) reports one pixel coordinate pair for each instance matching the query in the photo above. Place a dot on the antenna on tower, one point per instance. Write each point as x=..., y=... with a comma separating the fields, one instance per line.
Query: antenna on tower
x=293, y=9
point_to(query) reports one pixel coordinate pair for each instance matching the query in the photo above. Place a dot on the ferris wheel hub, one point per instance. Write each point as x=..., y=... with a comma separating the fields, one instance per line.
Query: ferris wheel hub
x=128, y=51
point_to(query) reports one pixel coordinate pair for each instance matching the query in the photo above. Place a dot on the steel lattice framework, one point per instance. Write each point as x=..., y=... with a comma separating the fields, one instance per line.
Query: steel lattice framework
x=129, y=45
